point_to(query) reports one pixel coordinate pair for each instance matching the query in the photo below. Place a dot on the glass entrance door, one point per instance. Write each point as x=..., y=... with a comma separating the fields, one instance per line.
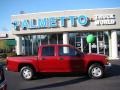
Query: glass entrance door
x=100, y=44
x=85, y=47
x=94, y=46
x=78, y=42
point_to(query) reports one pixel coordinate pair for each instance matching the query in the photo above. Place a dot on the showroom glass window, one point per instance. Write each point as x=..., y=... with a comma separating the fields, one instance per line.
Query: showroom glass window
x=44, y=39
x=60, y=38
x=53, y=38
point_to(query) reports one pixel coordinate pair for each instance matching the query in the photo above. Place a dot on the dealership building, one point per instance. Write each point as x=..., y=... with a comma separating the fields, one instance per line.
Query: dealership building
x=31, y=30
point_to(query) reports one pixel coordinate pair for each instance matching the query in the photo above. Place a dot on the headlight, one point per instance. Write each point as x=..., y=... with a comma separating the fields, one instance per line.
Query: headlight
x=107, y=59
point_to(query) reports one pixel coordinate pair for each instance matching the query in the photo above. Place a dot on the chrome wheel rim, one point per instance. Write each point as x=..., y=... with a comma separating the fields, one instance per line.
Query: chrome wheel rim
x=27, y=73
x=96, y=72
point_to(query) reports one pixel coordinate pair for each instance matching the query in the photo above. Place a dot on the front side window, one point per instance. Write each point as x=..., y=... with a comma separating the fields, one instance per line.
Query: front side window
x=48, y=51
x=67, y=51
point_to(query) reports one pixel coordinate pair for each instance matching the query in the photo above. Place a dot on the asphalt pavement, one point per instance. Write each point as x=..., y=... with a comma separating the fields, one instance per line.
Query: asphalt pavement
x=111, y=81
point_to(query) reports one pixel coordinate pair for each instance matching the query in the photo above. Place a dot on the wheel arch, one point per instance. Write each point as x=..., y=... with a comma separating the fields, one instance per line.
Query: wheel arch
x=95, y=62
x=25, y=64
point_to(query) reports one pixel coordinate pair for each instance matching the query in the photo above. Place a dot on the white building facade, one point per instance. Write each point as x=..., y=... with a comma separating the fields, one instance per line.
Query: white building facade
x=68, y=27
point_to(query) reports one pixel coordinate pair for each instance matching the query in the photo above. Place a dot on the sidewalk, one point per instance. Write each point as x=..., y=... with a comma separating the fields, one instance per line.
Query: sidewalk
x=111, y=58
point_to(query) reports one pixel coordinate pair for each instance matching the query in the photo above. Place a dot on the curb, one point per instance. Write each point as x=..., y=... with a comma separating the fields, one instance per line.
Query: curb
x=110, y=58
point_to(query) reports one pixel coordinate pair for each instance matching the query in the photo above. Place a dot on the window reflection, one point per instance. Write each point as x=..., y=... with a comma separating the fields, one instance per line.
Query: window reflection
x=60, y=38
x=44, y=39
x=53, y=38
x=30, y=43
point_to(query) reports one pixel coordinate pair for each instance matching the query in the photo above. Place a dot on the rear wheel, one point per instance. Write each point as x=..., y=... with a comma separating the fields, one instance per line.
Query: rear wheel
x=27, y=73
x=96, y=71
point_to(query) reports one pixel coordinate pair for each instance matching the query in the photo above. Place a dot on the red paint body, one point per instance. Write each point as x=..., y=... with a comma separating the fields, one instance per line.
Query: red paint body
x=56, y=63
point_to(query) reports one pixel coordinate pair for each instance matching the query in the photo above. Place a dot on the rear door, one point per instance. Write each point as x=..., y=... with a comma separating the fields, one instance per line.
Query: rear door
x=48, y=60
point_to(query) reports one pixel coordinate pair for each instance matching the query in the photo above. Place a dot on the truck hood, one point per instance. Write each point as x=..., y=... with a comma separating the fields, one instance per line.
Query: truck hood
x=94, y=56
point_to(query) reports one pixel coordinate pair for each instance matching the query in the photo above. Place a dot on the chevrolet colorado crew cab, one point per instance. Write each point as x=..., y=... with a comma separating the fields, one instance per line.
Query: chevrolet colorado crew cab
x=59, y=58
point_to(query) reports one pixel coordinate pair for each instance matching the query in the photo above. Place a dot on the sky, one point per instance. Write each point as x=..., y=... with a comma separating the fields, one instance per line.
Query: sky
x=13, y=7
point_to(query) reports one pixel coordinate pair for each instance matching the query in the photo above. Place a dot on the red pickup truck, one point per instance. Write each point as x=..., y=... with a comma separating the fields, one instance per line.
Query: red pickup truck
x=59, y=59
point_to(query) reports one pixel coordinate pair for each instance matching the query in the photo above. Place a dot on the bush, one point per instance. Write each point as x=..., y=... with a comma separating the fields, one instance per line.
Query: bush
x=3, y=55
x=11, y=54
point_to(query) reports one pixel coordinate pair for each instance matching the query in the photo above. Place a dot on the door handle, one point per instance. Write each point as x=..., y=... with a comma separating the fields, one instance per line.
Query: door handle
x=61, y=59
x=42, y=59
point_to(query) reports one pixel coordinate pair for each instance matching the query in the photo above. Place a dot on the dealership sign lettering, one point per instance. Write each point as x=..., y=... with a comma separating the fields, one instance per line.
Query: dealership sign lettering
x=104, y=19
x=52, y=22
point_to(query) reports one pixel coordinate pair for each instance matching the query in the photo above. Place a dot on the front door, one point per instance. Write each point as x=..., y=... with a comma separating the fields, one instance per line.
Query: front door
x=70, y=59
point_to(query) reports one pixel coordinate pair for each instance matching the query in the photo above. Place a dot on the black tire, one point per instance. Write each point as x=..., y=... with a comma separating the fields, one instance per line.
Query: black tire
x=95, y=71
x=27, y=73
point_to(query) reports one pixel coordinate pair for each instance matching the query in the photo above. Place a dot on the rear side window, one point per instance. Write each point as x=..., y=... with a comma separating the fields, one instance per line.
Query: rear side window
x=48, y=51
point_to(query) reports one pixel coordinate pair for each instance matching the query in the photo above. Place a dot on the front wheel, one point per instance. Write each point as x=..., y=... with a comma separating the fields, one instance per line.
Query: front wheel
x=27, y=73
x=96, y=71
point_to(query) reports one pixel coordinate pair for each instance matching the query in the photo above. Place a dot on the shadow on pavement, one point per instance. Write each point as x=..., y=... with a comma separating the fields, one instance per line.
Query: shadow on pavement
x=59, y=84
x=112, y=72
x=51, y=75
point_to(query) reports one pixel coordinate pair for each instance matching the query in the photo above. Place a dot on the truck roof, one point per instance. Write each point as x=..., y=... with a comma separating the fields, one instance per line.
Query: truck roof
x=56, y=45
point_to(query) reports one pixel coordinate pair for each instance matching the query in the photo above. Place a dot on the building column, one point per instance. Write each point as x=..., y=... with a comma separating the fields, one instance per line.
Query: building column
x=18, y=45
x=114, y=49
x=110, y=46
x=65, y=38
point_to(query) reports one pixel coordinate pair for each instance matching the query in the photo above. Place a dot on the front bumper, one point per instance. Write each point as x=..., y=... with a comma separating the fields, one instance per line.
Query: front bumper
x=108, y=65
x=6, y=68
